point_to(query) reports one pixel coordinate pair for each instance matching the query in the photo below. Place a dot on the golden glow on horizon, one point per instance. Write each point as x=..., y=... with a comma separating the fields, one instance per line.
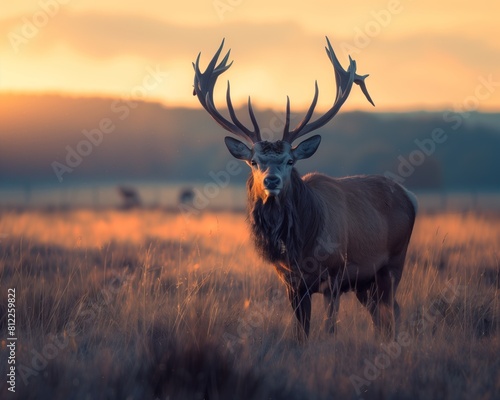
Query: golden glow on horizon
x=418, y=54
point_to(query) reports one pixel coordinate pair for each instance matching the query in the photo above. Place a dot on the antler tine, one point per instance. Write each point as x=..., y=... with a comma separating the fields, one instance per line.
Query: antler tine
x=360, y=81
x=344, y=81
x=287, y=117
x=291, y=136
x=253, y=136
x=204, y=83
x=254, y=121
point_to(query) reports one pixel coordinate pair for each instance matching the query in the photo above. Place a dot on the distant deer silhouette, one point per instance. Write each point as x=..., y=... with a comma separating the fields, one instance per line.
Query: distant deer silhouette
x=186, y=196
x=130, y=197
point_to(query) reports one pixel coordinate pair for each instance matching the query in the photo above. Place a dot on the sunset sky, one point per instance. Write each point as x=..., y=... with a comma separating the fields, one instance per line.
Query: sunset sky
x=420, y=54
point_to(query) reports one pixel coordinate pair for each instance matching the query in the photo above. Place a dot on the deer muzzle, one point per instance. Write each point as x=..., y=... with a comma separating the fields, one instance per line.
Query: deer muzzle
x=273, y=185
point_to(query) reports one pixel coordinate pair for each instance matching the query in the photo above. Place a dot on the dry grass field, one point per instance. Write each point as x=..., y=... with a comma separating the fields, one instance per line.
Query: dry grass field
x=151, y=305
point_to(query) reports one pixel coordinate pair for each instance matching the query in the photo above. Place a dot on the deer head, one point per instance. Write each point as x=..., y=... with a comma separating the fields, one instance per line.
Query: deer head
x=272, y=162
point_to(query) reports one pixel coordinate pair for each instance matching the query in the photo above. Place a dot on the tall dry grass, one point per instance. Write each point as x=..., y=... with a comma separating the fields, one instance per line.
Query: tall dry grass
x=149, y=305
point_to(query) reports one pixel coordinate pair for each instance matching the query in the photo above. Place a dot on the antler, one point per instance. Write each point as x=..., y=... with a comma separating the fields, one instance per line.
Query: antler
x=344, y=80
x=204, y=83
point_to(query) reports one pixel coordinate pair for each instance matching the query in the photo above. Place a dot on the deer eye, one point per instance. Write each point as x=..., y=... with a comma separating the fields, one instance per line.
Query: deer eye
x=290, y=162
x=253, y=163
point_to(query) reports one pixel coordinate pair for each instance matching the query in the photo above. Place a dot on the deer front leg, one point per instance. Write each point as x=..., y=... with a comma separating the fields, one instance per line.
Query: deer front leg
x=300, y=299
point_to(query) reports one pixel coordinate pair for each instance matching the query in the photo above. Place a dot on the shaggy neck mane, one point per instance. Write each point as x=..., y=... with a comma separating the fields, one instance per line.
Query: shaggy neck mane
x=284, y=227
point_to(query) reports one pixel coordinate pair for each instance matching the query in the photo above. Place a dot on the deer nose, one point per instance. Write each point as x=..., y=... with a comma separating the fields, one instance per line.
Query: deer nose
x=272, y=181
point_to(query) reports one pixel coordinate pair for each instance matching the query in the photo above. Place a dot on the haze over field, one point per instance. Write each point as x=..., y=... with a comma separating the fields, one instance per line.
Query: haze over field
x=66, y=141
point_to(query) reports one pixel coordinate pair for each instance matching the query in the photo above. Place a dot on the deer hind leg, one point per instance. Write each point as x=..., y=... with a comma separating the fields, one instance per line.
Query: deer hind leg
x=395, y=268
x=380, y=302
x=300, y=300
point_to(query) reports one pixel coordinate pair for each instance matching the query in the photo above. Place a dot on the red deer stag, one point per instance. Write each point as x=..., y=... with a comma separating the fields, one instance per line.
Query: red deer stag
x=323, y=235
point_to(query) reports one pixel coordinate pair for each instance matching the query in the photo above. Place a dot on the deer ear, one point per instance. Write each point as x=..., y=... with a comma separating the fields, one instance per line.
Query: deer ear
x=306, y=148
x=238, y=149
